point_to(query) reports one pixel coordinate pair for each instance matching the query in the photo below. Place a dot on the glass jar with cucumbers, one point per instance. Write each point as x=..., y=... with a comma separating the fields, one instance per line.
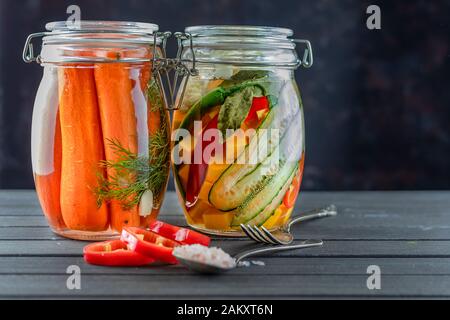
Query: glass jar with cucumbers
x=100, y=130
x=238, y=132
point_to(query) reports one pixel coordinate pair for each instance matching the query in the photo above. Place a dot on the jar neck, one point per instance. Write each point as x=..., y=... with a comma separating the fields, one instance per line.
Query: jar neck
x=240, y=45
x=99, y=41
x=97, y=53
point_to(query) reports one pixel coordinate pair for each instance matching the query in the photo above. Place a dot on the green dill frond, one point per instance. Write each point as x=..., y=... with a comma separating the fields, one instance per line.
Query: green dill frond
x=131, y=175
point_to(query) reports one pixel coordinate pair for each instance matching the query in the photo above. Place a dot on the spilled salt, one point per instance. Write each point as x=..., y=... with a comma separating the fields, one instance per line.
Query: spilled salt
x=258, y=263
x=244, y=264
x=249, y=263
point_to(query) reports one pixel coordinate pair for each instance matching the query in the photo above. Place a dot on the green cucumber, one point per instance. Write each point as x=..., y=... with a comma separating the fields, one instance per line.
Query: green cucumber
x=262, y=204
x=268, y=211
x=244, y=177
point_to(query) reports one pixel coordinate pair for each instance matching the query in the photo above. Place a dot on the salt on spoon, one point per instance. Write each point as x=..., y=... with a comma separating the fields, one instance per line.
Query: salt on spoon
x=211, y=256
x=214, y=260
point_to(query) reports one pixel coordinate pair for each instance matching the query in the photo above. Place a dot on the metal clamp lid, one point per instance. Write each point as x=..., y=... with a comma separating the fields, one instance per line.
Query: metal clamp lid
x=307, y=60
x=181, y=69
x=67, y=37
x=28, y=50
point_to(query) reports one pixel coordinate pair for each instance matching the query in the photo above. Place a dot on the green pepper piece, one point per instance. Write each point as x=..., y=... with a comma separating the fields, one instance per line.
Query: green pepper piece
x=218, y=95
x=211, y=99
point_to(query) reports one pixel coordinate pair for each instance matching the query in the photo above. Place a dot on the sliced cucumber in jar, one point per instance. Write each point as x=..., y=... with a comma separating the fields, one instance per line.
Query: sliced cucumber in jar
x=245, y=177
x=260, y=206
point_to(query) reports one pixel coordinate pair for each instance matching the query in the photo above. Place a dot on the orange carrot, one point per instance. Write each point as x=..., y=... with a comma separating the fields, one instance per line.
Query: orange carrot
x=118, y=121
x=48, y=186
x=82, y=150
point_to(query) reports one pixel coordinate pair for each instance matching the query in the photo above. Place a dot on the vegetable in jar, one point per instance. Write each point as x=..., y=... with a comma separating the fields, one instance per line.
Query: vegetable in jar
x=100, y=131
x=239, y=136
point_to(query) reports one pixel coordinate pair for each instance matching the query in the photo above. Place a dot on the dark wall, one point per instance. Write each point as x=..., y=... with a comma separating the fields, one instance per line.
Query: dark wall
x=377, y=103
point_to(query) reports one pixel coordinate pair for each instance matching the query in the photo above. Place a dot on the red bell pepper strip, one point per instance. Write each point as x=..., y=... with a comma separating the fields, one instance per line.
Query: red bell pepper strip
x=114, y=253
x=257, y=112
x=197, y=171
x=182, y=235
x=149, y=244
x=292, y=193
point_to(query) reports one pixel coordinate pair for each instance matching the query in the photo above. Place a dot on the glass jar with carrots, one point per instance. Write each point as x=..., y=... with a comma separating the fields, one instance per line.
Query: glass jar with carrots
x=100, y=130
x=238, y=149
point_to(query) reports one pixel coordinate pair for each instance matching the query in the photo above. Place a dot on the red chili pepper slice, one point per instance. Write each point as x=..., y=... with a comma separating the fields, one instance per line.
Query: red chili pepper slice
x=114, y=253
x=257, y=112
x=182, y=235
x=150, y=244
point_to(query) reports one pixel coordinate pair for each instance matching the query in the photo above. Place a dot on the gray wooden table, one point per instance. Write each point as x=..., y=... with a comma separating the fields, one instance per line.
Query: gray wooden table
x=406, y=234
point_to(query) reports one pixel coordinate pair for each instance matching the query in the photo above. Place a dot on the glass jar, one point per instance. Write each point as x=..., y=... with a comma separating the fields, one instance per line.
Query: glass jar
x=238, y=133
x=100, y=129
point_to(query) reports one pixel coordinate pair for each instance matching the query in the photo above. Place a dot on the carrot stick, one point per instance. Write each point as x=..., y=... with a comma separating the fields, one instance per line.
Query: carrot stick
x=82, y=150
x=48, y=186
x=118, y=121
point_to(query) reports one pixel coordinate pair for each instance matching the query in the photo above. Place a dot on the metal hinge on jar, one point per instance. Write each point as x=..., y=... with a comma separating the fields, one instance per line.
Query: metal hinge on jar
x=161, y=65
x=28, y=50
x=182, y=72
x=307, y=60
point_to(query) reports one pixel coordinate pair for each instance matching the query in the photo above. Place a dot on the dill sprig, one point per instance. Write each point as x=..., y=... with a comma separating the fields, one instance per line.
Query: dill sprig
x=130, y=175
x=154, y=94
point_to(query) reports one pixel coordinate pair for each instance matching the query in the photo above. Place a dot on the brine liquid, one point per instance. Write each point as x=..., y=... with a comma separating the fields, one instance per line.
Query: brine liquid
x=210, y=190
x=100, y=148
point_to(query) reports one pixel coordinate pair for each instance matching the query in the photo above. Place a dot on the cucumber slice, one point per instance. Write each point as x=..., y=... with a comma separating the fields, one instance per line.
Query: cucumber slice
x=246, y=177
x=258, y=207
x=262, y=217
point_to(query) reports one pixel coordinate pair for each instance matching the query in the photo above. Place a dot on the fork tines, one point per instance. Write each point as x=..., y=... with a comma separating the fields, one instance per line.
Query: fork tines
x=260, y=234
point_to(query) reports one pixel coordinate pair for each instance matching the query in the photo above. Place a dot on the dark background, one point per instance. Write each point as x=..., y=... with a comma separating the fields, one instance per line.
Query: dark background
x=377, y=103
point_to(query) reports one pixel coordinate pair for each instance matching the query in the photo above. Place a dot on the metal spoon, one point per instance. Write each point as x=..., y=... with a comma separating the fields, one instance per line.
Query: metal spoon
x=209, y=268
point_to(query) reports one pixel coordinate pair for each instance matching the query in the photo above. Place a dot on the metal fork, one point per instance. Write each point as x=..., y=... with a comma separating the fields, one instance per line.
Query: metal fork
x=283, y=235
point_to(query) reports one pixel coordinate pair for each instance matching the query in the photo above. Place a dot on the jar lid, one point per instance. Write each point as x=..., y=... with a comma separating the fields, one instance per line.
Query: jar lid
x=104, y=31
x=61, y=37
x=104, y=26
x=243, y=45
x=258, y=36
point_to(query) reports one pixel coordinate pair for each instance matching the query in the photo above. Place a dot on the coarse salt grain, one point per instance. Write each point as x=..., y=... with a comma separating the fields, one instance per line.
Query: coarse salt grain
x=258, y=263
x=208, y=255
x=244, y=264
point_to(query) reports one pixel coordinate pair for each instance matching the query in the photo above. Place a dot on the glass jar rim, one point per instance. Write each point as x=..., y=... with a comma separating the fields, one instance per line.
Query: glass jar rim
x=239, y=30
x=62, y=41
x=240, y=45
x=239, y=35
x=96, y=26
x=104, y=31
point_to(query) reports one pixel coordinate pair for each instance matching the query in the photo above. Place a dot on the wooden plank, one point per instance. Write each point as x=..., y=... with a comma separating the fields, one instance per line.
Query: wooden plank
x=273, y=266
x=332, y=248
x=27, y=233
x=343, y=227
x=378, y=204
x=223, y=286
x=22, y=221
x=363, y=215
x=310, y=230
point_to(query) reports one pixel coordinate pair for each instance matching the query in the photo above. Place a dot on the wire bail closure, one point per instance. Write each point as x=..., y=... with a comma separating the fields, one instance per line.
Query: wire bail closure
x=28, y=50
x=307, y=60
x=182, y=72
x=162, y=66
